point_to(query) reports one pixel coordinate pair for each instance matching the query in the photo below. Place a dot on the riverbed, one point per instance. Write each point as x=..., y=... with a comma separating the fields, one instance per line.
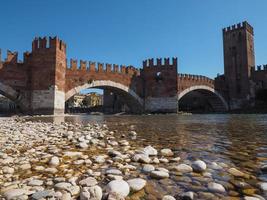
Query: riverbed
x=233, y=148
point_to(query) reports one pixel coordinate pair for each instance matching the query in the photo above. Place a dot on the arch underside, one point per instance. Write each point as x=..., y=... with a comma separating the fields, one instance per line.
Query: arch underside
x=205, y=94
x=132, y=99
x=8, y=92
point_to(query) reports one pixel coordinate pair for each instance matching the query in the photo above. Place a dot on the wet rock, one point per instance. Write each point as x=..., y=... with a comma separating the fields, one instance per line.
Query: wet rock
x=216, y=187
x=187, y=196
x=118, y=186
x=148, y=168
x=263, y=186
x=159, y=174
x=90, y=181
x=251, y=198
x=235, y=172
x=199, y=166
x=136, y=184
x=166, y=152
x=184, y=168
x=150, y=151
x=168, y=197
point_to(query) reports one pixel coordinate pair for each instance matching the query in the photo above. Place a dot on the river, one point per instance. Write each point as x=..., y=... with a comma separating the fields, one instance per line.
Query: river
x=238, y=141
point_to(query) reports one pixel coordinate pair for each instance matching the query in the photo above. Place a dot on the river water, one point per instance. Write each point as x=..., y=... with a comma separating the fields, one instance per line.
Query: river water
x=240, y=141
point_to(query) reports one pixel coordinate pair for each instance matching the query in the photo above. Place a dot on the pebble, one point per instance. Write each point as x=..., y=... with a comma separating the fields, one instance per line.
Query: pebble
x=184, y=168
x=166, y=152
x=54, y=161
x=136, y=184
x=216, y=187
x=150, y=151
x=236, y=172
x=120, y=187
x=148, y=168
x=168, y=197
x=13, y=193
x=90, y=181
x=199, y=166
x=159, y=174
x=36, y=182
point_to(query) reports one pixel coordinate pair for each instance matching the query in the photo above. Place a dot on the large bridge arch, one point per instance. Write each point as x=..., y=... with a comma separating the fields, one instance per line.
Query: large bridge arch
x=216, y=98
x=107, y=84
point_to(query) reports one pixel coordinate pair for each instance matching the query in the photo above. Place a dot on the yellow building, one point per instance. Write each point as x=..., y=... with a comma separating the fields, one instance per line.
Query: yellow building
x=86, y=100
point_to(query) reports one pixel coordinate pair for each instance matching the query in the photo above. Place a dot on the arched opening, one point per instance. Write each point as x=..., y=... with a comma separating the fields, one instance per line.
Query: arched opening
x=201, y=99
x=115, y=97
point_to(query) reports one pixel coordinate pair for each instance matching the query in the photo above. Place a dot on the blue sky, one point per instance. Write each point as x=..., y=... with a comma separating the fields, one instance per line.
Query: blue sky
x=129, y=31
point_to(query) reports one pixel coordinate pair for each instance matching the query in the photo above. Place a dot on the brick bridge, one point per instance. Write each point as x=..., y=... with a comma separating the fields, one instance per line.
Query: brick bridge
x=43, y=81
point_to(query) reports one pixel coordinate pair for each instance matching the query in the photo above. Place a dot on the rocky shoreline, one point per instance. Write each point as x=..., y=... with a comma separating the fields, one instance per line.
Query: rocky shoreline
x=74, y=161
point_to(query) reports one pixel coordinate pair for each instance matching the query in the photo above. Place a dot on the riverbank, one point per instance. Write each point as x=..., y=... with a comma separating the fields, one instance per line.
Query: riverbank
x=90, y=161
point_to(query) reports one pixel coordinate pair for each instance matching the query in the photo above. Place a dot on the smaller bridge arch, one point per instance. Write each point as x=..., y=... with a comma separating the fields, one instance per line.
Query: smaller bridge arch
x=9, y=92
x=102, y=84
x=216, y=98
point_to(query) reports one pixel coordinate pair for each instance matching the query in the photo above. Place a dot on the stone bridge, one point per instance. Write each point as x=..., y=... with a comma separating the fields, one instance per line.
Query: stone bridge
x=43, y=81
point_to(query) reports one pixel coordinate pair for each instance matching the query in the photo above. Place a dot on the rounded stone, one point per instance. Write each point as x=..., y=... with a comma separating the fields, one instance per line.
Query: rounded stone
x=136, y=184
x=199, y=166
x=236, y=172
x=35, y=182
x=148, y=168
x=95, y=192
x=150, y=151
x=184, y=168
x=168, y=197
x=90, y=181
x=166, y=152
x=13, y=193
x=54, y=161
x=159, y=174
x=216, y=187
x=118, y=186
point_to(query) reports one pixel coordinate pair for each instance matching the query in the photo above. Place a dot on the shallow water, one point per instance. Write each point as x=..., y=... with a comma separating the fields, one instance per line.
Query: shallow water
x=240, y=141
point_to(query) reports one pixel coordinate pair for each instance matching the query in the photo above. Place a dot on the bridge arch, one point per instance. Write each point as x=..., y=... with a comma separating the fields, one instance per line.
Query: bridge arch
x=107, y=84
x=216, y=99
x=9, y=92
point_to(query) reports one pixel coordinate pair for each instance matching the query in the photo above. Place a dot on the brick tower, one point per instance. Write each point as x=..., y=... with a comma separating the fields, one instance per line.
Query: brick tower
x=47, y=67
x=239, y=59
x=160, y=85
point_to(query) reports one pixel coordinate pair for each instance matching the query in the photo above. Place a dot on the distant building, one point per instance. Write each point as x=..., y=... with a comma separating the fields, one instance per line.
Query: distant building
x=86, y=100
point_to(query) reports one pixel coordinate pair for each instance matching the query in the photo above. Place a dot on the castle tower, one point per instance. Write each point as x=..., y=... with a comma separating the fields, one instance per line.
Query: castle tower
x=47, y=67
x=160, y=85
x=238, y=49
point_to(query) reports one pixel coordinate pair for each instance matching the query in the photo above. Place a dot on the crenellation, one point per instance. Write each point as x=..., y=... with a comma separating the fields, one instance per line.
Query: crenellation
x=12, y=57
x=42, y=43
x=108, y=67
x=151, y=62
x=26, y=56
x=116, y=68
x=100, y=67
x=83, y=65
x=167, y=61
x=123, y=69
x=92, y=66
x=239, y=26
x=73, y=64
x=159, y=61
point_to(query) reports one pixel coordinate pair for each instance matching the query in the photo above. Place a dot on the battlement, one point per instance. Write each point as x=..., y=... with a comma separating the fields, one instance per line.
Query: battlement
x=151, y=62
x=12, y=57
x=51, y=43
x=192, y=77
x=239, y=26
x=259, y=68
x=90, y=66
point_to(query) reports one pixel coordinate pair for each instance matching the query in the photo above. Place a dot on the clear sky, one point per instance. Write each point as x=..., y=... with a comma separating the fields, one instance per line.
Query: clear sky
x=129, y=31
